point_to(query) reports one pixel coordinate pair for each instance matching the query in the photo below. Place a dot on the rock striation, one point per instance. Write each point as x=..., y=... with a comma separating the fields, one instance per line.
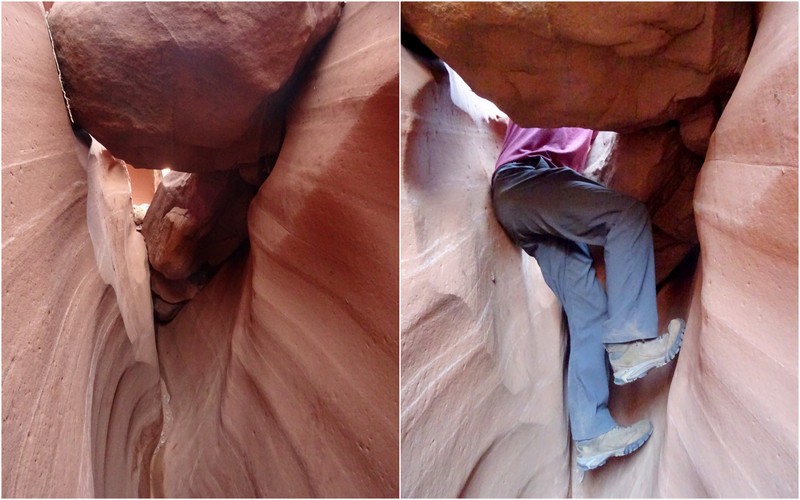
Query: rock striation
x=481, y=332
x=189, y=86
x=725, y=413
x=280, y=377
x=81, y=411
x=285, y=364
x=119, y=250
x=732, y=411
x=605, y=66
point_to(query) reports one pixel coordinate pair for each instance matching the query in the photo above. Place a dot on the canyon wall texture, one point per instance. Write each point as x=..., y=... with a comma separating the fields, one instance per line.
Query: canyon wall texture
x=81, y=415
x=282, y=373
x=280, y=377
x=725, y=414
x=732, y=416
x=205, y=89
x=481, y=332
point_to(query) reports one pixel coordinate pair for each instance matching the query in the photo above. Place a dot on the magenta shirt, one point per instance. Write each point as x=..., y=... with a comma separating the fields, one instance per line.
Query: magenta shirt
x=566, y=147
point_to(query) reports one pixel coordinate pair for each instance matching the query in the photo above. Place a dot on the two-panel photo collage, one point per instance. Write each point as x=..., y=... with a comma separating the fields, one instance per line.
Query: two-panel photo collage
x=399, y=249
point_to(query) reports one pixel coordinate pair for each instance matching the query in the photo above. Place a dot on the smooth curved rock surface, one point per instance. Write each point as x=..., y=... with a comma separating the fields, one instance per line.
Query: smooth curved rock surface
x=481, y=395
x=203, y=85
x=80, y=415
x=725, y=413
x=119, y=249
x=604, y=66
x=282, y=372
x=732, y=411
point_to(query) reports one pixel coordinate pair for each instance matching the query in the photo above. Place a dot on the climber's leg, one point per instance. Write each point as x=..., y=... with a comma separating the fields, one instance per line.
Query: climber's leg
x=567, y=269
x=535, y=198
x=538, y=198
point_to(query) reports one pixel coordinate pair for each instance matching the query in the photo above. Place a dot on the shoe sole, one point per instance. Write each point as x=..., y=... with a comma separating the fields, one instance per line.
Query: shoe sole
x=600, y=460
x=634, y=373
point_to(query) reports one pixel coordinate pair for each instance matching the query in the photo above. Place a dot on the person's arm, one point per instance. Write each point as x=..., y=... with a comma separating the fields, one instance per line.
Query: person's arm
x=498, y=122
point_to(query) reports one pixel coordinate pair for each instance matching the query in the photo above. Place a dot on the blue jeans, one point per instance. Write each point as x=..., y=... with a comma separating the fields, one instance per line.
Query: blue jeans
x=553, y=213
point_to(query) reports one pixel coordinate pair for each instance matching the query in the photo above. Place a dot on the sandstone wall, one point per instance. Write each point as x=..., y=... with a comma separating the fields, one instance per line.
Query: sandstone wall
x=80, y=415
x=732, y=412
x=481, y=396
x=282, y=373
x=727, y=426
x=281, y=377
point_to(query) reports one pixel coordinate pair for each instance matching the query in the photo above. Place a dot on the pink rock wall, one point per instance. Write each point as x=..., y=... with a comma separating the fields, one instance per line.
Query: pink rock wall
x=119, y=249
x=80, y=415
x=281, y=378
x=481, y=395
x=733, y=403
x=295, y=393
x=727, y=424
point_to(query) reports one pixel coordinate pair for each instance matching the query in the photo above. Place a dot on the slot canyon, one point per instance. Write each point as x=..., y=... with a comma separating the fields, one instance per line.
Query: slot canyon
x=697, y=104
x=200, y=220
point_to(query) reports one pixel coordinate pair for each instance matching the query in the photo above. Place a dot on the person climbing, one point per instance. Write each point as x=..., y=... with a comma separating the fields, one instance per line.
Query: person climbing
x=553, y=212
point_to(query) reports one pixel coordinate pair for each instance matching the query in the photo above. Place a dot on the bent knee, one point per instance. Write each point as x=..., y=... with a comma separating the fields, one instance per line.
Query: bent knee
x=636, y=213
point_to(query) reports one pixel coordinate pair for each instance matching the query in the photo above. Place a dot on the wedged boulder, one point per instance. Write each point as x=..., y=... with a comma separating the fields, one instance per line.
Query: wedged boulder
x=189, y=86
x=81, y=416
x=604, y=66
x=482, y=365
x=194, y=223
x=283, y=370
x=733, y=402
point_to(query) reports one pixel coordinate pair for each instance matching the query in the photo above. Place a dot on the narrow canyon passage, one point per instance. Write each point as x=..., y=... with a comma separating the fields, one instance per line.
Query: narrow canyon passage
x=240, y=337
x=703, y=101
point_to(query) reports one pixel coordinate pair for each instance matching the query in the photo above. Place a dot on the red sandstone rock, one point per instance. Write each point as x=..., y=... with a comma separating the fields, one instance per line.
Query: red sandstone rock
x=80, y=415
x=190, y=86
x=697, y=127
x=606, y=66
x=481, y=395
x=196, y=220
x=733, y=403
x=283, y=371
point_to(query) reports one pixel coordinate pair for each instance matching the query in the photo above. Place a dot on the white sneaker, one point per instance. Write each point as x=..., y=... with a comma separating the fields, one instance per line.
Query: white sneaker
x=618, y=442
x=632, y=360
